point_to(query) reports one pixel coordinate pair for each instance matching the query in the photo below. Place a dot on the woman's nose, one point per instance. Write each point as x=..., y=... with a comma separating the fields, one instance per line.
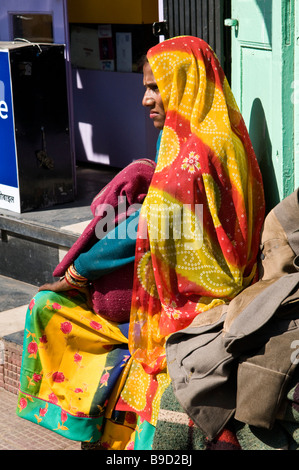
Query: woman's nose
x=147, y=99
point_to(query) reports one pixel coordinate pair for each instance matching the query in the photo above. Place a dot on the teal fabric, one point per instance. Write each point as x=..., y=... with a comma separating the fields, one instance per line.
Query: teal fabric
x=50, y=416
x=113, y=251
x=145, y=436
x=158, y=145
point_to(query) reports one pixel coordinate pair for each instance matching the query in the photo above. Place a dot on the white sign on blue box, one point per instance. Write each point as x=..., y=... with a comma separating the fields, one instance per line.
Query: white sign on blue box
x=9, y=186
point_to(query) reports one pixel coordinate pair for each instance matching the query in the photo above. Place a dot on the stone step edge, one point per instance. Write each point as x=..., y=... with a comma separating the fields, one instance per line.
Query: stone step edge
x=12, y=321
x=63, y=237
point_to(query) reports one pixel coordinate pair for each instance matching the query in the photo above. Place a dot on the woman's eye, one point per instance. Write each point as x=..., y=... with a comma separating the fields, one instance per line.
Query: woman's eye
x=155, y=88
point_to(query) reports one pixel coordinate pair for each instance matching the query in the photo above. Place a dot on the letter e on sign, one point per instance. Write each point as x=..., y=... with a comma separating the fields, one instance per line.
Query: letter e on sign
x=3, y=110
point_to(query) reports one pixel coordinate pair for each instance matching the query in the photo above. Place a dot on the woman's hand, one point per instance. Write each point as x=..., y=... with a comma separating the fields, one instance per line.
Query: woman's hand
x=57, y=286
x=62, y=286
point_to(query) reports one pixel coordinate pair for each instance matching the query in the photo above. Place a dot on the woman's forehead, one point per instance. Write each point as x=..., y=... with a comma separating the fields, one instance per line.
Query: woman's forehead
x=148, y=76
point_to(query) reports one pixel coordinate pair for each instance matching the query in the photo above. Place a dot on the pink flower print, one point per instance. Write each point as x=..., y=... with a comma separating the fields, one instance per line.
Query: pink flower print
x=53, y=398
x=130, y=446
x=31, y=305
x=22, y=404
x=58, y=377
x=61, y=426
x=43, y=339
x=56, y=306
x=105, y=377
x=95, y=325
x=78, y=390
x=42, y=412
x=32, y=349
x=77, y=358
x=66, y=327
x=63, y=416
x=37, y=377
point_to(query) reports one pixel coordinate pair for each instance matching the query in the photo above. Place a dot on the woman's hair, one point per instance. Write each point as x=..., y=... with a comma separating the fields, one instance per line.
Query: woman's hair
x=141, y=62
x=144, y=59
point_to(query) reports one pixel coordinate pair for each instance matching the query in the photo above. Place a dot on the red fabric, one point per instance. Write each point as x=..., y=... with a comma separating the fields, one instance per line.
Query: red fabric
x=111, y=295
x=226, y=440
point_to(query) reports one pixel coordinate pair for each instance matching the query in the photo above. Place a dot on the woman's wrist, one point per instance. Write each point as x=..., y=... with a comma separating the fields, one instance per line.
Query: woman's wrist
x=74, y=279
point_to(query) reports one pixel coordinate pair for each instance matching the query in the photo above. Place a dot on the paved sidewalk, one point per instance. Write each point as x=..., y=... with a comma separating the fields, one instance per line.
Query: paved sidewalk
x=19, y=434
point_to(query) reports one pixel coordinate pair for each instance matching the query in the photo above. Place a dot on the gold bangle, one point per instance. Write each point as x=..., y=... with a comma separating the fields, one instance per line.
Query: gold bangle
x=73, y=278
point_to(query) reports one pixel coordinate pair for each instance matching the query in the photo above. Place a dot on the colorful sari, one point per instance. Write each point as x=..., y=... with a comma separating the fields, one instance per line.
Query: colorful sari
x=199, y=227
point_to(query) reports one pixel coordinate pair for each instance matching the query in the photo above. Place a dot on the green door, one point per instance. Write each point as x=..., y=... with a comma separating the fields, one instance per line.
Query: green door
x=263, y=74
x=296, y=95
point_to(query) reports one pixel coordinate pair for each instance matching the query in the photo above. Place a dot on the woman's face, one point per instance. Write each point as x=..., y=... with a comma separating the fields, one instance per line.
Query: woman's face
x=152, y=98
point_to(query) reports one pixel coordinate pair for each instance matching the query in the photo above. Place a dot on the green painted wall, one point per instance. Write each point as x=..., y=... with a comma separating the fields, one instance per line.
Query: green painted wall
x=295, y=97
x=263, y=73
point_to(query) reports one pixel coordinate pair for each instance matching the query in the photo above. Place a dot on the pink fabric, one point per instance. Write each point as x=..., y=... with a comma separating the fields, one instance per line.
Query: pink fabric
x=111, y=294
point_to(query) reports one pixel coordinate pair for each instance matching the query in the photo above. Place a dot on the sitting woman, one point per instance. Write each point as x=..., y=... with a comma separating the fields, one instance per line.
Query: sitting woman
x=92, y=373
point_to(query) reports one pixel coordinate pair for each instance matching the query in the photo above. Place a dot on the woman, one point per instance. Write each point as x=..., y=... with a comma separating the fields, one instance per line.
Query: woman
x=197, y=244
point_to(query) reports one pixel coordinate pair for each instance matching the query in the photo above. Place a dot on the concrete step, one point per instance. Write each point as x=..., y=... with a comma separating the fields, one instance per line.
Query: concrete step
x=14, y=293
x=33, y=243
x=30, y=251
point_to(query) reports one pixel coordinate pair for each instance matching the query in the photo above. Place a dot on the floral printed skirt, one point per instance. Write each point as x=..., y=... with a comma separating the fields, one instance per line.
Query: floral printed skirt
x=73, y=361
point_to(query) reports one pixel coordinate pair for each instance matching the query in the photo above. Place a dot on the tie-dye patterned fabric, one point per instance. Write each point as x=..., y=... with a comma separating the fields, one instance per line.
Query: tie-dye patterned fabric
x=200, y=223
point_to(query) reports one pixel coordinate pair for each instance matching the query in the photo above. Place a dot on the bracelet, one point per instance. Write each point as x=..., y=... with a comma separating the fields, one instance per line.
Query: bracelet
x=74, y=279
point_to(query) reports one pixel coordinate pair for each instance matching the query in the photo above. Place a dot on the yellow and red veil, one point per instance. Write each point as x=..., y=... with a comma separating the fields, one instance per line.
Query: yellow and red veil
x=199, y=228
x=207, y=177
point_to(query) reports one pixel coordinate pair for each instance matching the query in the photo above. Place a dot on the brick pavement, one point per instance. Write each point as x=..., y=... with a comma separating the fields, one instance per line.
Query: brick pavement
x=10, y=366
x=19, y=434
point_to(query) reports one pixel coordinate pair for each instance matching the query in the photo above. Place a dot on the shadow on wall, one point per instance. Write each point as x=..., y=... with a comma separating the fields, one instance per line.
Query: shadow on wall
x=262, y=145
x=111, y=125
x=265, y=7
